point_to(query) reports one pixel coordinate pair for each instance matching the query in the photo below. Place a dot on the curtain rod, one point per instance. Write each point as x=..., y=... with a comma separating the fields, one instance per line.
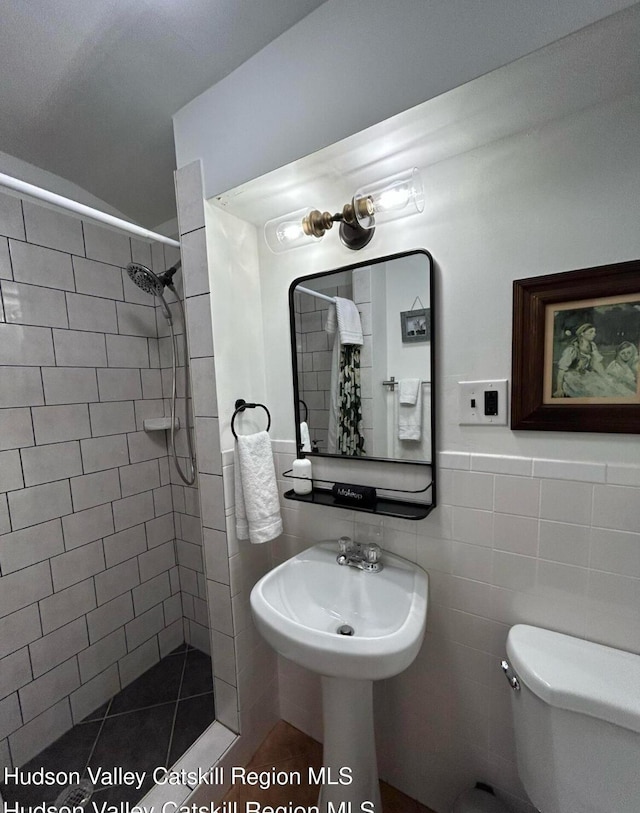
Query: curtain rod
x=317, y=294
x=85, y=211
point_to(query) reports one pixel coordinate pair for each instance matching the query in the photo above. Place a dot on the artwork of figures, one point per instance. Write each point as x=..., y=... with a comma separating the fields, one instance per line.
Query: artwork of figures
x=576, y=343
x=591, y=351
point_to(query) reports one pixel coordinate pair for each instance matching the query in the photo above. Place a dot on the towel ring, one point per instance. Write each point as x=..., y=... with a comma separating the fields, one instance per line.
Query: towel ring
x=306, y=408
x=241, y=405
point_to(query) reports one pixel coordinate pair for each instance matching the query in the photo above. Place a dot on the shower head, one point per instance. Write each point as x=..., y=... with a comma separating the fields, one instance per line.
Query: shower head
x=145, y=279
x=153, y=284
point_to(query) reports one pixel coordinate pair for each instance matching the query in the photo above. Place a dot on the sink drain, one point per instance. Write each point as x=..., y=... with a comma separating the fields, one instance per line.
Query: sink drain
x=345, y=629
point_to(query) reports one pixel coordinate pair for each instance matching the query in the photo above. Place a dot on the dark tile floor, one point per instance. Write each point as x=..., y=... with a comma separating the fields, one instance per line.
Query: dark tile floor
x=149, y=724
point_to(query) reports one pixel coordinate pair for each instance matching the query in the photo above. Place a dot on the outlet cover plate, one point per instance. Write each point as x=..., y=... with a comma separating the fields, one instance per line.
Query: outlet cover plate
x=471, y=395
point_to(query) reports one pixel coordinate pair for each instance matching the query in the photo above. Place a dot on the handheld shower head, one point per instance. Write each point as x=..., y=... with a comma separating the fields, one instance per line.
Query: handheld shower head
x=151, y=283
x=145, y=279
x=155, y=284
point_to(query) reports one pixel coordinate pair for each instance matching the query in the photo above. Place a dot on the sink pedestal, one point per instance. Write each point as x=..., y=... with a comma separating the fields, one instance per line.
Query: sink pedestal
x=349, y=742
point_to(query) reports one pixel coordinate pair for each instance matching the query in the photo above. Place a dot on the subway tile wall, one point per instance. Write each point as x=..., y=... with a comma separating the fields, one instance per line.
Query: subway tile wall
x=184, y=498
x=89, y=582
x=514, y=540
x=221, y=569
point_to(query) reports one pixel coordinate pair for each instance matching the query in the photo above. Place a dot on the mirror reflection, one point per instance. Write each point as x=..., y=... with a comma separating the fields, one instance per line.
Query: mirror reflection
x=362, y=359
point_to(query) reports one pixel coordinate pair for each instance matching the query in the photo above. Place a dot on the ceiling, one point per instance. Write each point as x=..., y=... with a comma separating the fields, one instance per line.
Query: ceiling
x=89, y=86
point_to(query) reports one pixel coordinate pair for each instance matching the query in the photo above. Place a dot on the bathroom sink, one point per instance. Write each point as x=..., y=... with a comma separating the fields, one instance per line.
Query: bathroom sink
x=304, y=606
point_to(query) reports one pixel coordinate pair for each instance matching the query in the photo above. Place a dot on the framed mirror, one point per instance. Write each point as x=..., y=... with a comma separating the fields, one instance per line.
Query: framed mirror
x=363, y=360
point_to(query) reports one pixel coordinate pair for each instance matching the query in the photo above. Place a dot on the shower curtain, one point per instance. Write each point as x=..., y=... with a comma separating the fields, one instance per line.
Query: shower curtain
x=350, y=440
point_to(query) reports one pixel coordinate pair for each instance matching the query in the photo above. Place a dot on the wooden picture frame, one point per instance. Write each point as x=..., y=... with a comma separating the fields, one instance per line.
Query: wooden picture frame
x=416, y=325
x=572, y=369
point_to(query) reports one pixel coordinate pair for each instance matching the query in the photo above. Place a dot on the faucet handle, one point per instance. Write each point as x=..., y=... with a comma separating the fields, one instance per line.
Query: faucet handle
x=345, y=544
x=372, y=553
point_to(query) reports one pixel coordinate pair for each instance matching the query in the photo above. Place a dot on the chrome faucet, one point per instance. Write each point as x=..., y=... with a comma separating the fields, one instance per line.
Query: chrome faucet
x=365, y=556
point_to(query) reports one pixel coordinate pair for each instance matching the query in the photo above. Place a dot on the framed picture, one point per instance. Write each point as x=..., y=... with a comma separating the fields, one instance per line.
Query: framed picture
x=416, y=325
x=576, y=342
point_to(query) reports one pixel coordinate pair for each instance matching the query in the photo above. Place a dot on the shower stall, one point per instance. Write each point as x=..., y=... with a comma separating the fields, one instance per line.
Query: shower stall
x=104, y=629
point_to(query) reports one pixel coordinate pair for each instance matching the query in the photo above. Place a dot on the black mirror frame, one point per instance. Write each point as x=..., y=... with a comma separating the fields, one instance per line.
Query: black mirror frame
x=432, y=351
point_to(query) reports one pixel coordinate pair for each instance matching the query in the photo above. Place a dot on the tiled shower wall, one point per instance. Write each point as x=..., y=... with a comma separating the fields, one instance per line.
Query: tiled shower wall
x=89, y=588
x=244, y=666
x=186, y=504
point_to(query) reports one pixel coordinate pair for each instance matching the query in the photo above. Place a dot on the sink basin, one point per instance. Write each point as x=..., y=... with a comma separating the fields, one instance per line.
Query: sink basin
x=300, y=605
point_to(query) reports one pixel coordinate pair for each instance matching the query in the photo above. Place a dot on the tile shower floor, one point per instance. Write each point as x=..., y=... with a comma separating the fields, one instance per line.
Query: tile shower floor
x=149, y=724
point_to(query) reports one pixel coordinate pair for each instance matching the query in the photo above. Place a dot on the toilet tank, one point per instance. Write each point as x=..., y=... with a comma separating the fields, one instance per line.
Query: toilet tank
x=577, y=722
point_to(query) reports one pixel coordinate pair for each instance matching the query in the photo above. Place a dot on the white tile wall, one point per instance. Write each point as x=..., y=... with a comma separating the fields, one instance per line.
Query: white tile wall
x=91, y=313
x=29, y=546
x=31, y=506
x=51, y=228
x=26, y=345
x=41, y=266
x=20, y=386
x=67, y=385
x=86, y=515
x=34, y=305
x=11, y=221
x=559, y=550
x=19, y=629
x=5, y=262
x=97, y=279
x=80, y=349
x=16, y=429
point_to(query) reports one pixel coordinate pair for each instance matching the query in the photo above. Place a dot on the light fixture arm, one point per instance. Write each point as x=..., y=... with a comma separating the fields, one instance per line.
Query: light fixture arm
x=317, y=223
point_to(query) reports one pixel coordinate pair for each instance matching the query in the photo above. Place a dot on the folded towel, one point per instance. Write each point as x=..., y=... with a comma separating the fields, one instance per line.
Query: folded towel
x=349, y=324
x=408, y=390
x=410, y=418
x=331, y=322
x=256, y=491
x=305, y=437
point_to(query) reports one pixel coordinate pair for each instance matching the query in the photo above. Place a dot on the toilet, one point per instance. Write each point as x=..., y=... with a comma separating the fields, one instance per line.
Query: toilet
x=576, y=708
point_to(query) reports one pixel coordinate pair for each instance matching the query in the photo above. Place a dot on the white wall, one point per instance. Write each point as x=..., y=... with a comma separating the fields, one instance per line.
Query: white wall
x=290, y=99
x=534, y=527
x=515, y=538
x=554, y=199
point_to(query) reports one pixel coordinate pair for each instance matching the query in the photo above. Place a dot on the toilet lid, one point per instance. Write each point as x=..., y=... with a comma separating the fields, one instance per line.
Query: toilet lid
x=577, y=675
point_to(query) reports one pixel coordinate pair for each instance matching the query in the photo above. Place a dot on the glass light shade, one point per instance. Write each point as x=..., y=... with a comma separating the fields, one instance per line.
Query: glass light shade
x=393, y=197
x=286, y=232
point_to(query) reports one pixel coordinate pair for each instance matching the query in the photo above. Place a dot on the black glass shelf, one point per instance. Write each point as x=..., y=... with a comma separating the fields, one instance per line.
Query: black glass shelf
x=386, y=507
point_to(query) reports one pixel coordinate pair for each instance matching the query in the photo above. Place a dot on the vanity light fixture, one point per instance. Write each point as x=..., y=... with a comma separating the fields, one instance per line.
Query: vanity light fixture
x=388, y=199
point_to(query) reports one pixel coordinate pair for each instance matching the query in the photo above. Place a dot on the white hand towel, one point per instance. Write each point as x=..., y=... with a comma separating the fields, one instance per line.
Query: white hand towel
x=349, y=324
x=256, y=490
x=331, y=323
x=408, y=390
x=410, y=418
x=305, y=437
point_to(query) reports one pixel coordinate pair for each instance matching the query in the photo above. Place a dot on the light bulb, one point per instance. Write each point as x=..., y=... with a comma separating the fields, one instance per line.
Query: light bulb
x=390, y=198
x=286, y=231
x=396, y=198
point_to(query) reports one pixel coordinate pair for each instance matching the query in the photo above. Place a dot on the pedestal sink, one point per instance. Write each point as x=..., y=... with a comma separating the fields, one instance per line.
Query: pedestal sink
x=351, y=627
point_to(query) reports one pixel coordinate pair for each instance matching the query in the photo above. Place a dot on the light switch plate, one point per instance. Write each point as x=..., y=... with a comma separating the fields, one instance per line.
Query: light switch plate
x=472, y=401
